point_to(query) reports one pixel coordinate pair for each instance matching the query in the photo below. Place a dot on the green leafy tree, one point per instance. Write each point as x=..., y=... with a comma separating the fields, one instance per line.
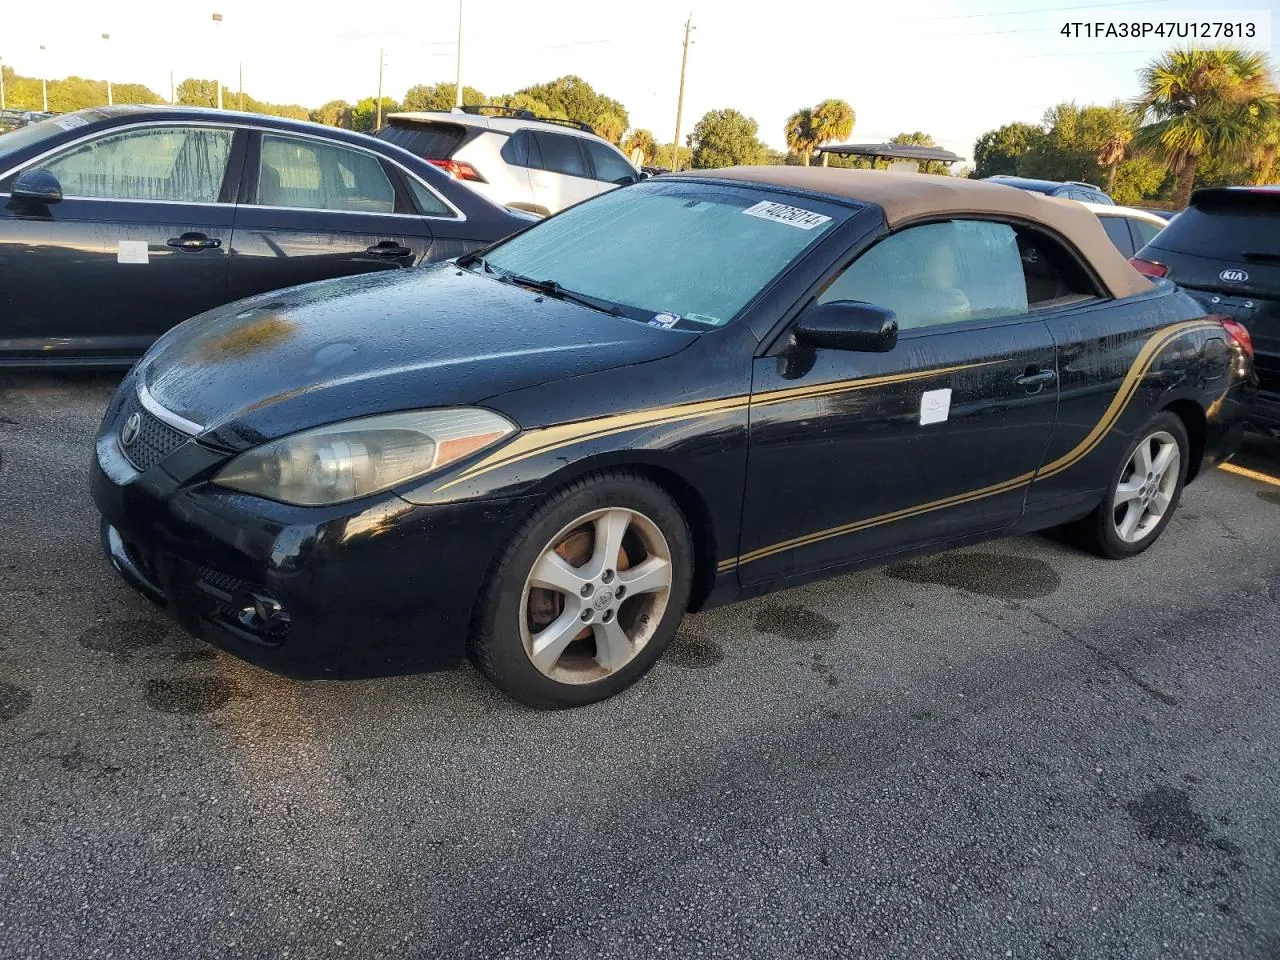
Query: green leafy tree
x=335, y=113
x=134, y=93
x=441, y=96
x=1266, y=155
x=645, y=141
x=726, y=138
x=998, y=151
x=919, y=138
x=364, y=115
x=802, y=135
x=832, y=120
x=1203, y=102
x=196, y=92
x=573, y=98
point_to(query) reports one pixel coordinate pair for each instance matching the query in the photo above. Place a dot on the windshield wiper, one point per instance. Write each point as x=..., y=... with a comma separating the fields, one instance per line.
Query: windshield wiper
x=552, y=288
x=475, y=259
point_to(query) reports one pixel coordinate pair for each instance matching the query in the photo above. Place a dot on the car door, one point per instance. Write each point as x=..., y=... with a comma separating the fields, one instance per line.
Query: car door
x=859, y=455
x=311, y=209
x=565, y=174
x=138, y=242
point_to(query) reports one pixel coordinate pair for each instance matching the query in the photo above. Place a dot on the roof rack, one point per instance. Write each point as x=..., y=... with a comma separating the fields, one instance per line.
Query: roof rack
x=1081, y=183
x=498, y=110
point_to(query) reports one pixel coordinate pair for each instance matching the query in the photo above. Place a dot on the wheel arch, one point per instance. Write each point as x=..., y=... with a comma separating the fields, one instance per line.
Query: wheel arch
x=1193, y=419
x=688, y=498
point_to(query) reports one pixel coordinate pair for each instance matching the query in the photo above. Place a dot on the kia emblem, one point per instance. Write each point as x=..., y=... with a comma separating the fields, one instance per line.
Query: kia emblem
x=132, y=427
x=1233, y=275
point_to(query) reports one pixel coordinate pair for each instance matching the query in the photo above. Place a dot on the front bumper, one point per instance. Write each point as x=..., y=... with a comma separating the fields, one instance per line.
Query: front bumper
x=371, y=588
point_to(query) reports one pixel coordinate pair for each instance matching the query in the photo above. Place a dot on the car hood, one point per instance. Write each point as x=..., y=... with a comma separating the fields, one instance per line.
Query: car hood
x=432, y=337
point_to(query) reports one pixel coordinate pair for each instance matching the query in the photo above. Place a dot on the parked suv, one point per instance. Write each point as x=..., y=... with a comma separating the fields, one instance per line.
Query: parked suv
x=513, y=157
x=1224, y=250
x=1129, y=228
x=1071, y=189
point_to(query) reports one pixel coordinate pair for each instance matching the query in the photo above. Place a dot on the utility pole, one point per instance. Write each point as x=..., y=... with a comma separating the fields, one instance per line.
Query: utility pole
x=2, y=106
x=217, y=73
x=457, y=95
x=378, y=123
x=44, y=78
x=240, y=105
x=106, y=37
x=171, y=88
x=684, y=62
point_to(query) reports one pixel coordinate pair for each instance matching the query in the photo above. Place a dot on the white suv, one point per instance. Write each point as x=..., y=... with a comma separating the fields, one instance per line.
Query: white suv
x=513, y=157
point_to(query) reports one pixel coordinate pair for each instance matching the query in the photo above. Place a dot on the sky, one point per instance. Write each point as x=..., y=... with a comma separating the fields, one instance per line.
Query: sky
x=953, y=70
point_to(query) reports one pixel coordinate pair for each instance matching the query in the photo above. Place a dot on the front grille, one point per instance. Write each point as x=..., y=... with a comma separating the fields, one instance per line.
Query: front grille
x=223, y=582
x=155, y=439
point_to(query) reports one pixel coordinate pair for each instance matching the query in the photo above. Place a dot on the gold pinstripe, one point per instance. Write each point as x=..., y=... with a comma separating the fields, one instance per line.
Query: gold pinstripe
x=1128, y=387
x=549, y=439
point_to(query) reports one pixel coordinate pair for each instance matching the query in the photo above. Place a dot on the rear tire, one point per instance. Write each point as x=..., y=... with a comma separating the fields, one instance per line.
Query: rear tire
x=1144, y=491
x=587, y=595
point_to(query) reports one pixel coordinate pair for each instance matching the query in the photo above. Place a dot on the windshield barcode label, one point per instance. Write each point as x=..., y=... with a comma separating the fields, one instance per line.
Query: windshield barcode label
x=791, y=216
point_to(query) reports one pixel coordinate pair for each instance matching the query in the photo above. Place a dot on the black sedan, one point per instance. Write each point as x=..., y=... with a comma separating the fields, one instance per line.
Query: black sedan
x=118, y=223
x=672, y=396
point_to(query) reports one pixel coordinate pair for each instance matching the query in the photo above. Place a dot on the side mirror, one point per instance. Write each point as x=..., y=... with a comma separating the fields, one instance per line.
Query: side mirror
x=848, y=325
x=37, y=186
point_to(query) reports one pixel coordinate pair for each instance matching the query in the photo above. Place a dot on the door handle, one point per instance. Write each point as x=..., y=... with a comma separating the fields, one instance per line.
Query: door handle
x=193, y=242
x=388, y=249
x=1036, y=378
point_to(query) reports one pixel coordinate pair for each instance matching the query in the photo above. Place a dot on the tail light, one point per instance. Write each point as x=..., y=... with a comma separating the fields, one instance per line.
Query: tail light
x=1148, y=268
x=458, y=169
x=1238, y=332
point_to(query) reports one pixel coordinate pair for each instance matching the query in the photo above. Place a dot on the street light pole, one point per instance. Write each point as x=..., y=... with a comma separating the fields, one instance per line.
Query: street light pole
x=458, y=85
x=44, y=79
x=106, y=37
x=377, y=124
x=2, y=106
x=217, y=72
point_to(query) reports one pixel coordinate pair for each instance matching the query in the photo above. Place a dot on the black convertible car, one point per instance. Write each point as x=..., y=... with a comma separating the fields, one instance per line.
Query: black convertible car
x=118, y=223
x=674, y=395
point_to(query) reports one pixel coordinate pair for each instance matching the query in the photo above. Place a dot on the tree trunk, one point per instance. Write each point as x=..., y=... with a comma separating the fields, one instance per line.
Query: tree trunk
x=805, y=156
x=1186, y=180
x=824, y=157
x=1111, y=178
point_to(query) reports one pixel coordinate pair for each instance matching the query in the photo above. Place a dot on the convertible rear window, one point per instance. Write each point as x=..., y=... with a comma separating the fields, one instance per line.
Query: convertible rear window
x=697, y=252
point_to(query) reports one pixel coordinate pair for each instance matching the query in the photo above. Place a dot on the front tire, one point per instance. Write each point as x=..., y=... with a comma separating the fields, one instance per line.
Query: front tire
x=1144, y=490
x=587, y=595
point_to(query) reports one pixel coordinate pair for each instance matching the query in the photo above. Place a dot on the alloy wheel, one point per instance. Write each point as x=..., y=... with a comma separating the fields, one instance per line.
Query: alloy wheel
x=1146, y=488
x=595, y=595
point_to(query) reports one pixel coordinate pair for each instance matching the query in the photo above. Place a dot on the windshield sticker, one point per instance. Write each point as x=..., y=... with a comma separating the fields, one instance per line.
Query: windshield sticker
x=664, y=320
x=791, y=216
x=71, y=122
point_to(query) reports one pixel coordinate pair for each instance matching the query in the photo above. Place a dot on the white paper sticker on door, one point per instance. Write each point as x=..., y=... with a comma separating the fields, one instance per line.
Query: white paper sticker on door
x=131, y=251
x=935, y=405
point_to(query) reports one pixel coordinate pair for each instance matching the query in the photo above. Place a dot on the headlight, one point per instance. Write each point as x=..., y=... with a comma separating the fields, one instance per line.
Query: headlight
x=344, y=461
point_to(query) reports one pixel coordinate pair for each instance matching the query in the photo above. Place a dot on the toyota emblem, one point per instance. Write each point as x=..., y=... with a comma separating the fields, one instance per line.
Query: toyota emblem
x=132, y=427
x=1233, y=275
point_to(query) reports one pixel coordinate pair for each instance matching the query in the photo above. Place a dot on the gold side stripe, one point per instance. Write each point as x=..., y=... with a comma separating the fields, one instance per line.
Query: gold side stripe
x=1128, y=387
x=549, y=439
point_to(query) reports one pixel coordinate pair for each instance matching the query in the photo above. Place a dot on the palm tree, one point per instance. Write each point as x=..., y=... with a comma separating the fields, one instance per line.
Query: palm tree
x=832, y=120
x=645, y=140
x=1195, y=102
x=1114, y=152
x=1265, y=154
x=800, y=134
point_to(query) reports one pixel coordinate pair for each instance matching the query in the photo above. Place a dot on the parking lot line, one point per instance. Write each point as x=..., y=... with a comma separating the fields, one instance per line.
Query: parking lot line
x=1251, y=474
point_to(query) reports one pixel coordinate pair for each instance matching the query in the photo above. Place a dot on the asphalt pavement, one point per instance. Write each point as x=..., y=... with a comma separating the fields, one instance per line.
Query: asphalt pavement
x=1014, y=750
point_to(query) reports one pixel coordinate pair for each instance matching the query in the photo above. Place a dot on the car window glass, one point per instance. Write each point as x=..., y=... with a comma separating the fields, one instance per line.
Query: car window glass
x=690, y=251
x=516, y=150
x=560, y=154
x=609, y=164
x=429, y=204
x=320, y=176
x=155, y=163
x=939, y=273
x=1144, y=231
x=1053, y=276
x=1117, y=229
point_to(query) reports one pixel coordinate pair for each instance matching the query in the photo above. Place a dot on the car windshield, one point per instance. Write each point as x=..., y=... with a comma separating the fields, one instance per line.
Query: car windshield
x=671, y=252
x=31, y=134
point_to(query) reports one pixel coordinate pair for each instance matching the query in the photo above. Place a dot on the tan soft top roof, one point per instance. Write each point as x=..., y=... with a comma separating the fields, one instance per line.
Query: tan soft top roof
x=909, y=196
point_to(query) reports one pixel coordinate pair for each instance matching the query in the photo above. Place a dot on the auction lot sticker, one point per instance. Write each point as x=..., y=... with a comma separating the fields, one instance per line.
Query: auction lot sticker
x=791, y=216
